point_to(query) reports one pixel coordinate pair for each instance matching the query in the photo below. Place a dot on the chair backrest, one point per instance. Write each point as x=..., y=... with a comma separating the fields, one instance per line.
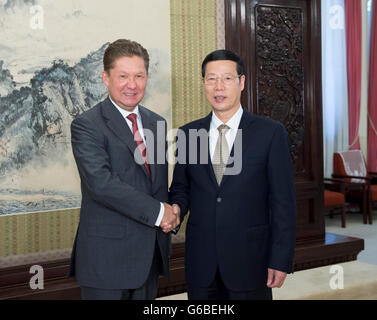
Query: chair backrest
x=350, y=163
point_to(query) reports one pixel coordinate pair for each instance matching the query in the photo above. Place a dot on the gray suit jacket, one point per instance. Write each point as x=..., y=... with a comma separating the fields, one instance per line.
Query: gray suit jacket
x=116, y=237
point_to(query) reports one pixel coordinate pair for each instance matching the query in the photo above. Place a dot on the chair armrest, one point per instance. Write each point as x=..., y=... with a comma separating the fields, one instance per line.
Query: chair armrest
x=335, y=184
x=334, y=180
x=367, y=179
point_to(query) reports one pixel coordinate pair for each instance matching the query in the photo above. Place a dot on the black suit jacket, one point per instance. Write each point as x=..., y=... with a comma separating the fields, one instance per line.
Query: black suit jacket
x=116, y=237
x=248, y=223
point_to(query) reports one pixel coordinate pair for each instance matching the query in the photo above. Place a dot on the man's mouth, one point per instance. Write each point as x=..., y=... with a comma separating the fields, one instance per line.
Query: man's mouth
x=219, y=98
x=130, y=94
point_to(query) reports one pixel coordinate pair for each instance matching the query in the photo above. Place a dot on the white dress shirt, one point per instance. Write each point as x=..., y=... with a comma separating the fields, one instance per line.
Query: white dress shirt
x=125, y=113
x=233, y=123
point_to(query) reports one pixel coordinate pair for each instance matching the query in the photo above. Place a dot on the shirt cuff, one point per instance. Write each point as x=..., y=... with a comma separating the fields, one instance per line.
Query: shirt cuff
x=160, y=215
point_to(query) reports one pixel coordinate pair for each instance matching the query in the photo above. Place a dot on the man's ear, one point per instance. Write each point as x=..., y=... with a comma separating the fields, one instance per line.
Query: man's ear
x=242, y=82
x=105, y=78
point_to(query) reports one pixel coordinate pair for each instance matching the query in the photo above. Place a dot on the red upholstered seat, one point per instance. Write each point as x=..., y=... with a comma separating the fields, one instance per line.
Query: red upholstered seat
x=335, y=202
x=333, y=198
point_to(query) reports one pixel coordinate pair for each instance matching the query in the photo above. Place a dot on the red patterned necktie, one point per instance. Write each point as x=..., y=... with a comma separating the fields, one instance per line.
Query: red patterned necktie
x=139, y=141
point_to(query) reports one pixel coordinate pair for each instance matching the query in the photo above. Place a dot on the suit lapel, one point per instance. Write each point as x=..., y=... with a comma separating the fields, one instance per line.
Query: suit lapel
x=243, y=133
x=150, y=125
x=205, y=124
x=118, y=125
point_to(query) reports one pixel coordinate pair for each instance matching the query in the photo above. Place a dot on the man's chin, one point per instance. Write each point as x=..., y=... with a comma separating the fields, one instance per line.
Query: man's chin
x=220, y=107
x=129, y=106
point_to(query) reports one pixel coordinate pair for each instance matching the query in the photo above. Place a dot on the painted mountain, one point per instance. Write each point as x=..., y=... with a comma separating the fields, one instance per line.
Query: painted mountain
x=50, y=71
x=35, y=151
x=37, y=169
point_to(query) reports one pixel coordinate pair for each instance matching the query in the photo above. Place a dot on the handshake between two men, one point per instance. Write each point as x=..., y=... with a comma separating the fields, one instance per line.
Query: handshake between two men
x=171, y=218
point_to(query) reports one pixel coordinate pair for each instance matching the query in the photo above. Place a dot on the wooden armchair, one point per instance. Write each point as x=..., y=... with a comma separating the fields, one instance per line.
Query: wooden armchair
x=334, y=198
x=350, y=167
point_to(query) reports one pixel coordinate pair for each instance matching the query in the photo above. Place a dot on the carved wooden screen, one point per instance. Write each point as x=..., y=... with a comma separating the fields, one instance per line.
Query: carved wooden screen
x=280, y=43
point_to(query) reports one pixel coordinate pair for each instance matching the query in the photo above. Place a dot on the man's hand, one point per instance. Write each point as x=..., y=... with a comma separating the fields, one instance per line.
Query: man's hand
x=170, y=220
x=176, y=210
x=275, y=278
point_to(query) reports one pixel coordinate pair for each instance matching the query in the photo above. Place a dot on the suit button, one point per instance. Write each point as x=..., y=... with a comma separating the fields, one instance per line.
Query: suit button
x=219, y=200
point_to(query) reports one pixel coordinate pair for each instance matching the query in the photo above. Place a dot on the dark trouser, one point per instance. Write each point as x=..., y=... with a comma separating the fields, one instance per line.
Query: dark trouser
x=218, y=291
x=148, y=291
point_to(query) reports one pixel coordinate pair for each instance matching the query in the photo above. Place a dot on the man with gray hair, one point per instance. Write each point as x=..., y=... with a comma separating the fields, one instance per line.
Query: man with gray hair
x=122, y=244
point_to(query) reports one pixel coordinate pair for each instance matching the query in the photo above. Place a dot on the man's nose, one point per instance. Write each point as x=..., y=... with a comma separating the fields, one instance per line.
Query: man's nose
x=219, y=85
x=131, y=83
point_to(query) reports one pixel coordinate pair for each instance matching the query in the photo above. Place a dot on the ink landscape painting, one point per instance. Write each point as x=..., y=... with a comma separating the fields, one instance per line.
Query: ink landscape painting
x=50, y=72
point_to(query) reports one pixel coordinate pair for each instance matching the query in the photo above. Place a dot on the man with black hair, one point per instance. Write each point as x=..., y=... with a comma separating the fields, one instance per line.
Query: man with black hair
x=240, y=234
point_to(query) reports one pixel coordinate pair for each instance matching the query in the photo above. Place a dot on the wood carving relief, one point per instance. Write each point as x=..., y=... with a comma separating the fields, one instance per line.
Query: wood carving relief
x=280, y=71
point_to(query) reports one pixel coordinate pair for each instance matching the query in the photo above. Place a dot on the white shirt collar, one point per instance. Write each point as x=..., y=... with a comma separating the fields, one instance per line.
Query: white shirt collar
x=232, y=123
x=125, y=113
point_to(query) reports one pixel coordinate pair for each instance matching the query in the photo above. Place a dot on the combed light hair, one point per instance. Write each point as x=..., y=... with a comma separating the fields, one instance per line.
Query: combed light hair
x=124, y=48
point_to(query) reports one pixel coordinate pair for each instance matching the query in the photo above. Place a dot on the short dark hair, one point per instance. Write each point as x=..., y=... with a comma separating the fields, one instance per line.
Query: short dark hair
x=223, y=55
x=124, y=48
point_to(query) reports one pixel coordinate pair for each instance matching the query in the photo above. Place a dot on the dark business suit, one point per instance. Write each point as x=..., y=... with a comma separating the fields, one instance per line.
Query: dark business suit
x=247, y=224
x=117, y=237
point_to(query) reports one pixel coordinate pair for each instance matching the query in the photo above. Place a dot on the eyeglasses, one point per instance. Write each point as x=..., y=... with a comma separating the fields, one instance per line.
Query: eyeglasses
x=227, y=80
